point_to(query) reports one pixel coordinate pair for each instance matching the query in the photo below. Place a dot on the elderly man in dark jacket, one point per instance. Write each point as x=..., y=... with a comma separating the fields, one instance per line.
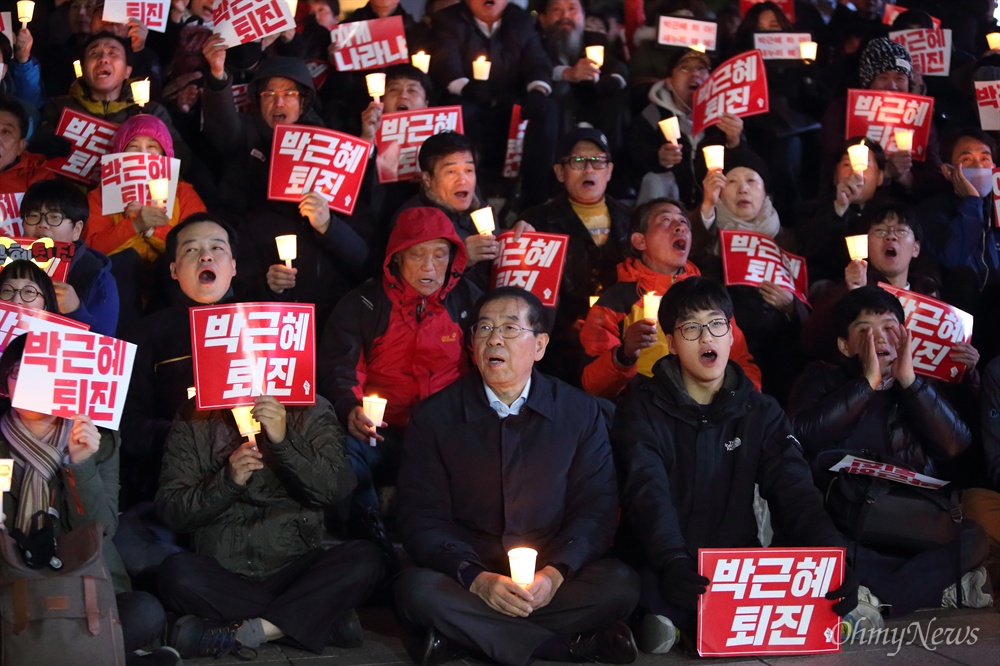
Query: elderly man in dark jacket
x=505, y=459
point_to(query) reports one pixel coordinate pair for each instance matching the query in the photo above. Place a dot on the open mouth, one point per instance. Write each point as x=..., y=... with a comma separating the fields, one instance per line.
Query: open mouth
x=891, y=252
x=278, y=117
x=709, y=357
x=589, y=182
x=403, y=107
x=883, y=353
x=462, y=195
x=496, y=361
x=680, y=244
x=206, y=276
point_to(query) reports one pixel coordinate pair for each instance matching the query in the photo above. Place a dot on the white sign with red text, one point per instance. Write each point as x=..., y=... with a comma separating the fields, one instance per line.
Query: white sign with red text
x=534, y=263
x=675, y=31
x=780, y=45
x=515, y=143
x=876, y=113
x=768, y=601
x=90, y=139
x=311, y=159
x=892, y=11
x=151, y=13
x=17, y=320
x=374, y=44
x=787, y=7
x=243, y=21
x=125, y=179
x=888, y=472
x=245, y=350
x=401, y=134
x=988, y=101
x=749, y=258
x=934, y=327
x=930, y=49
x=65, y=373
x=10, y=214
x=737, y=86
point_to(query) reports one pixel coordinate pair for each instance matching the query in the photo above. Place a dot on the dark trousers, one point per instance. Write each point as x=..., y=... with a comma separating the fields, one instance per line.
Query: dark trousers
x=302, y=599
x=142, y=619
x=599, y=594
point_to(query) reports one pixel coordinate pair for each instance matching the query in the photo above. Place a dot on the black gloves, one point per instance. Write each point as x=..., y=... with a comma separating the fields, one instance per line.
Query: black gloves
x=681, y=584
x=477, y=92
x=847, y=593
x=534, y=104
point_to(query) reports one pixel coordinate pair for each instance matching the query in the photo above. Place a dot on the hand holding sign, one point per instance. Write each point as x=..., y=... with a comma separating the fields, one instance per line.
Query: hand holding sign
x=84, y=439
x=314, y=207
x=214, y=51
x=271, y=415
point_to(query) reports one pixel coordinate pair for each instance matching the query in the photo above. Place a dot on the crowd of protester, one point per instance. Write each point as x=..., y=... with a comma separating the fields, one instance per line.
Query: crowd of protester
x=617, y=443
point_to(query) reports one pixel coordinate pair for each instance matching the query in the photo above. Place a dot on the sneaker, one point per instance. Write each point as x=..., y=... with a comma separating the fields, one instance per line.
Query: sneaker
x=161, y=656
x=657, y=634
x=864, y=618
x=976, y=589
x=195, y=637
x=345, y=631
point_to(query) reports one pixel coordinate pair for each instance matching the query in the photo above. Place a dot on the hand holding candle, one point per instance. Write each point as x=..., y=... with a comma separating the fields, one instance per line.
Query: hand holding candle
x=857, y=246
x=595, y=54
x=481, y=69
x=288, y=246
x=376, y=85
x=245, y=423
x=671, y=129
x=522, y=565
x=651, y=305
x=483, y=219
x=715, y=157
x=25, y=11
x=374, y=408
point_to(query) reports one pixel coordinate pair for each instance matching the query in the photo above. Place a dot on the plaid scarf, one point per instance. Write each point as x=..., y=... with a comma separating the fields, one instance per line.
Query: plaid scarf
x=41, y=462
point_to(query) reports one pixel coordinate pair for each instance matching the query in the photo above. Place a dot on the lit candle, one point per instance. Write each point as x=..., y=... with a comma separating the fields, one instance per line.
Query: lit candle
x=596, y=55
x=374, y=407
x=522, y=565
x=993, y=39
x=25, y=10
x=857, y=246
x=859, y=157
x=483, y=219
x=159, y=190
x=671, y=129
x=904, y=139
x=140, y=92
x=593, y=300
x=421, y=61
x=245, y=422
x=77, y=69
x=294, y=6
x=715, y=157
x=481, y=69
x=288, y=247
x=807, y=50
x=651, y=305
x=376, y=85
x=699, y=47
x=192, y=392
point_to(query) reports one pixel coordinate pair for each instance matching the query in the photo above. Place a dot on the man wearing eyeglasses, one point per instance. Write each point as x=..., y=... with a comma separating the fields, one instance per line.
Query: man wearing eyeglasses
x=597, y=226
x=505, y=458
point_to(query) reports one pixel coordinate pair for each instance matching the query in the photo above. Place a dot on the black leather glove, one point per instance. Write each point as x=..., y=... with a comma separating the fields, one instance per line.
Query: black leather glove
x=534, y=104
x=609, y=85
x=847, y=593
x=477, y=92
x=681, y=584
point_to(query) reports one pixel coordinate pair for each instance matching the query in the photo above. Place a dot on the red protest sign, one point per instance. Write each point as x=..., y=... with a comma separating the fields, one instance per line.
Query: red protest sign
x=934, y=327
x=749, y=258
x=64, y=373
x=241, y=97
x=888, y=472
x=787, y=7
x=243, y=21
x=892, y=11
x=374, y=44
x=930, y=49
x=768, y=601
x=987, y=94
x=780, y=45
x=151, y=13
x=51, y=256
x=401, y=134
x=737, y=86
x=125, y=179
x=90, y=139
x=245, y=350
x=875, y=113
x=17, y=320
x=675, y=31
x=515, y=143
x=318, y=70
x=10, y=213
x=534, y=263
x=311, y=159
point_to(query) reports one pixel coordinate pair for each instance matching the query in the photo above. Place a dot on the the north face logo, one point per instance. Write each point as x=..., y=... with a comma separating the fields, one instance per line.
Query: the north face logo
x=733, y=444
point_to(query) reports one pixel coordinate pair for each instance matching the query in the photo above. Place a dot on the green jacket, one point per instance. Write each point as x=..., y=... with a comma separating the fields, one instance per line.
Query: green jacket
x=257, y=529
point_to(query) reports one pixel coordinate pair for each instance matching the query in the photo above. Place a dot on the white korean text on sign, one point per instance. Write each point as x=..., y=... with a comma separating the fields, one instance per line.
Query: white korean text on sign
x=749, y=258
x=401, y=134
x=534, y=263
x=51, y=256
x=737, y=86
x=876, y=113
x=90, y=139
x=515, y=143
x=375, y=44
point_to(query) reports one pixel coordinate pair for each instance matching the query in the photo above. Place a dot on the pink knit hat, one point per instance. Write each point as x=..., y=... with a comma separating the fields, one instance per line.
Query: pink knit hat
x=142, y=125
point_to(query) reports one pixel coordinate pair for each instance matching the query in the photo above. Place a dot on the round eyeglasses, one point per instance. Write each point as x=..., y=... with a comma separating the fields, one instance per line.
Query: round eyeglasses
x=692, y=331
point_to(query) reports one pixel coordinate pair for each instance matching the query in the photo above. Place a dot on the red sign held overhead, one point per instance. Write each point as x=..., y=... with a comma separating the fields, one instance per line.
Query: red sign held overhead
x=534, y=263
x=749, y=258
x=374, y=44
x=401, y=134
x=768, y=601
x=737, y=86
x=934, y=328
x=311, y=159
x=243, y=21
x=876, y=113
x=245, y=350
x=90, y=139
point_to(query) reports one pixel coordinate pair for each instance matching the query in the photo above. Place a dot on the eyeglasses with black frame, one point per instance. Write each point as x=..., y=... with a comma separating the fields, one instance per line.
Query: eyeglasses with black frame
x=507, y=331
x=580, y=162
x=898, y=232
x=692, y=331
x=28, y=293
x=52, y=218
